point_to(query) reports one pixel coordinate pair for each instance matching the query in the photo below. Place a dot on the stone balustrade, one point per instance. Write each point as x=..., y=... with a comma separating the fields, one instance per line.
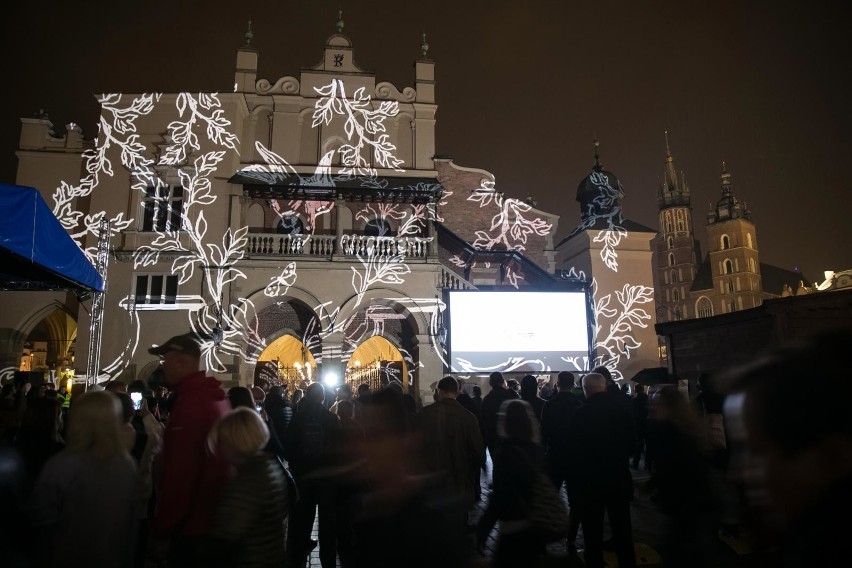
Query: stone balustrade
x=269, y=244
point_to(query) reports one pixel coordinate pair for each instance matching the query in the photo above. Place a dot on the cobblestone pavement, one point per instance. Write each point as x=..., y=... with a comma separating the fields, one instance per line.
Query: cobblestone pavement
x=648, y=523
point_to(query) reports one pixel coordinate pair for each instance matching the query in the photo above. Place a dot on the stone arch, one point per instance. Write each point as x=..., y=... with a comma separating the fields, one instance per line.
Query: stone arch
x=415, y=314
x=332, y=143
x=59, y=326
x=255, y=217
x=261, y=116
x=703, y=307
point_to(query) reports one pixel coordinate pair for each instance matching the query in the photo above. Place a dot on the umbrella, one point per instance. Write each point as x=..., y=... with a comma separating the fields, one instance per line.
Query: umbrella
x=654, y=376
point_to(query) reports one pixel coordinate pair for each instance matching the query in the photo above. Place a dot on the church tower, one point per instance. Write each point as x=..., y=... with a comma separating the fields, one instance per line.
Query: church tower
x=734, y=261
x=676, y=247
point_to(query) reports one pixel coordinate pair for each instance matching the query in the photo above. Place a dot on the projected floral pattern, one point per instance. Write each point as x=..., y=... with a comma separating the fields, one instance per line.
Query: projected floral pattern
x=232, y=328
x=605, y=206
x=511, y=227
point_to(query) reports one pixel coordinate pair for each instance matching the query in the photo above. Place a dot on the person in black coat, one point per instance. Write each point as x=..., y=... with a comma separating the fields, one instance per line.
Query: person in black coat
x=601, y=438
x=555, y=428
x=311, y=447
x=490, y=409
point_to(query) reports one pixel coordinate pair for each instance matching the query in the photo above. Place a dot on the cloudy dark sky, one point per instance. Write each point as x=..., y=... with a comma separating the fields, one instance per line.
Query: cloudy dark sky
x=522, y=87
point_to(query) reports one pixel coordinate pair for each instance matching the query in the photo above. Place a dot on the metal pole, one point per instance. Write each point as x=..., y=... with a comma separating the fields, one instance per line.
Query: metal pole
x=96, y=325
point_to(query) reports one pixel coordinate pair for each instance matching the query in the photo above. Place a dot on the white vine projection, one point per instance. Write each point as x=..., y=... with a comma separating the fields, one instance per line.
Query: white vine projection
x=120, y=132
x=197, y=143
x=510, y=227
x=614, y=324
x=605, y=206
x=411, y=220
x=363, y=123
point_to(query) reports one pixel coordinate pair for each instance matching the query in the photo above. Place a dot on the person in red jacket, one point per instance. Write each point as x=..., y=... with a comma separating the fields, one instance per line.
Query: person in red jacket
x=191, y=477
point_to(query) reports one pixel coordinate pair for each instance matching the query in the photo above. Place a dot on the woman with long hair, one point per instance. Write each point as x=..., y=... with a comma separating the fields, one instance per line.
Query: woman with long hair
x=86, y=499
x=518, y=465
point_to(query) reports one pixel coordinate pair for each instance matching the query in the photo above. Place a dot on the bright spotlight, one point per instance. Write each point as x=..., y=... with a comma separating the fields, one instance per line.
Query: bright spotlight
x=330, y=379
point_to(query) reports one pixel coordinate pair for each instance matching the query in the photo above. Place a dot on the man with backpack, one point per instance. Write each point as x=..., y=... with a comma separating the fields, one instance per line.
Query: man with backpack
x=311, y=448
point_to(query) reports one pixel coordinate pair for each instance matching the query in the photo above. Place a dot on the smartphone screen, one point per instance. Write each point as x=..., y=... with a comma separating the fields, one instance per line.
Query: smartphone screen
x=136, y=397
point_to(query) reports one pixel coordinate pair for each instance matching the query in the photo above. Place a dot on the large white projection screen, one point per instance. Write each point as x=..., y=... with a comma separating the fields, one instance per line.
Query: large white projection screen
x=518, y=331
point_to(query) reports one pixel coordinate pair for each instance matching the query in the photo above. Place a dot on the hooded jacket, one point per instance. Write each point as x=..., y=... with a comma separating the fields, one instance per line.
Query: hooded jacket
x=191, y=477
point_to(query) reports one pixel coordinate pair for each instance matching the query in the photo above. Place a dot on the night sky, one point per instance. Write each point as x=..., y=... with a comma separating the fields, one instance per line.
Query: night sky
x=522, y=89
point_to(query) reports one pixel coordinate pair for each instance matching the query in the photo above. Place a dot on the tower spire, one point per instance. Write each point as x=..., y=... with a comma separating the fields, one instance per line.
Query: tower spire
x=671, y=174
x=672, y=192
x=598, y=166
x=727, y=187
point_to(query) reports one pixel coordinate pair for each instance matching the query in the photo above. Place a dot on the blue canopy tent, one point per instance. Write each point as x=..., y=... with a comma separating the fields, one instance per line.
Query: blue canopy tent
x=36, y=252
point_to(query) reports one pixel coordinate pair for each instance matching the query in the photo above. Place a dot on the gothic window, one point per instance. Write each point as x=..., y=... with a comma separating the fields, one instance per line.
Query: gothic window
x=725, y=243
x=729, y=286
x=704, y=307
x=671, y=259
x=378, y=228
x=673, y=277
x=681, y=226
x=675, y=295
x=670, y=243
x=156, y=289
x=677, y=312
x=680, y=274
x=738, y=284
x=162, y=208
x=668, y=221
x=751, y=265
x=748, y=240
x=728, y=267
x=290, y=225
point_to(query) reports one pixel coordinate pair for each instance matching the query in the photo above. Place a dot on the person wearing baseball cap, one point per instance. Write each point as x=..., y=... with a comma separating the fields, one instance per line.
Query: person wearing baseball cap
x=192, y=477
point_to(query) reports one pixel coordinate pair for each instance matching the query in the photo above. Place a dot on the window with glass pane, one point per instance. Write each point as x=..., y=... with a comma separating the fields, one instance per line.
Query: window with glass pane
x=156, y=289
x=162, y=208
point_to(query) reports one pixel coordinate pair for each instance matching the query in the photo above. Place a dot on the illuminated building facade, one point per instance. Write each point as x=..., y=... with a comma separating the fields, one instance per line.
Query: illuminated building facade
x=614, y=253
x=730, y=277
x=303, y=223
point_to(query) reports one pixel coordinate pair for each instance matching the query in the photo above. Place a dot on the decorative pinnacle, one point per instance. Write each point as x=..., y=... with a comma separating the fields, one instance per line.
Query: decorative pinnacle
x=248, y=35
x=668, y=152
x=597, y=146
x=340, y=20
x=424, y=47
x=724, y=169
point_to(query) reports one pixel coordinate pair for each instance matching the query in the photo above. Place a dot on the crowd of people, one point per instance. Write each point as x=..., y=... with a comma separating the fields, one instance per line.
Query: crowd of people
x=186, y=474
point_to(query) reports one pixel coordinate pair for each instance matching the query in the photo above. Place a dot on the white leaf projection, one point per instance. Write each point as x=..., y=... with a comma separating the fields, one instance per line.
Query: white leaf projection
x=511, y=227
x=605, y=206
x=362, y=125
x=198, y=142
x=615, y=326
